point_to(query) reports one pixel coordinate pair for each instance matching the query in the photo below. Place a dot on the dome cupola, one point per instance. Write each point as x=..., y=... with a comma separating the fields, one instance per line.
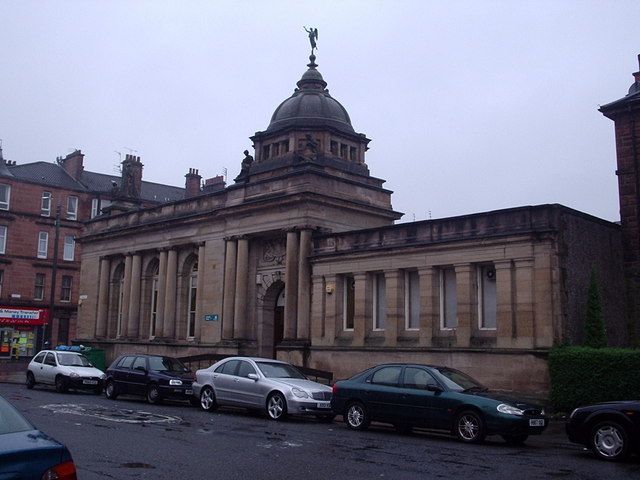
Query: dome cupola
x=311, y=106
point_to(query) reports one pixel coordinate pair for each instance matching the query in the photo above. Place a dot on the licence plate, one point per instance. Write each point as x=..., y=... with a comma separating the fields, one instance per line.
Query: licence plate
x=324, y=404
x=188, y=392
x=90, y=382
x=536, y=422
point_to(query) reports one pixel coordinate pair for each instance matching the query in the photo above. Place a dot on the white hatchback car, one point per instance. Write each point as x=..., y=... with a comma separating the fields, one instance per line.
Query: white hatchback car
x=65, y=369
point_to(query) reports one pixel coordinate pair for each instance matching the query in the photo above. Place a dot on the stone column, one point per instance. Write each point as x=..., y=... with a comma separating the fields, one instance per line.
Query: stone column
x=429, y=304
x=200, y=292
x=362, y=303
x=229, y=289
x=103, y=298
x=126, y=297
x=169, y=322
x=162, y=283
x=291, y=286
x=304, y=284
x=318, y=300
x=467, y=304
x=133, y=324
x=505, y=312
x=525, y=318
x=394, y=296
x=242, y=274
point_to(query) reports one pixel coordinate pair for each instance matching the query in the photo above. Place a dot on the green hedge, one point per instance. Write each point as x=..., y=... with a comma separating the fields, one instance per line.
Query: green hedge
x=584, y=375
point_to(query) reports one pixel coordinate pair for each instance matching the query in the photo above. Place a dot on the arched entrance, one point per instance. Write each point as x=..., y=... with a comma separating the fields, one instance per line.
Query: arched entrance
x=271, y=326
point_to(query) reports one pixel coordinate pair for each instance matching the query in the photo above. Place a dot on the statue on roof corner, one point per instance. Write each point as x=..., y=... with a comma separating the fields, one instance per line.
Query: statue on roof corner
x=313, y=36
x=245, y=166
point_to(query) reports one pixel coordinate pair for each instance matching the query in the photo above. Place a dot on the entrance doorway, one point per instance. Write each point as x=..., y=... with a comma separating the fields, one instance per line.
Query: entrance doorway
x=278, y=321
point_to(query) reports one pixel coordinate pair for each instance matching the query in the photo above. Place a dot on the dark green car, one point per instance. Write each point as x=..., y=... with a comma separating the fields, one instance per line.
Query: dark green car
x=439, y=398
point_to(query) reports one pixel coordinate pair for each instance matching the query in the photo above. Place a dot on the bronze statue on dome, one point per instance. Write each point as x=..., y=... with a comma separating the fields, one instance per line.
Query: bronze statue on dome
x=313, y=36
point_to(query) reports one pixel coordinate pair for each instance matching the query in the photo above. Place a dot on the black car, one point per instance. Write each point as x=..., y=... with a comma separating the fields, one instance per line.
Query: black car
x=434, y=397
x=154, y=376
x=611, y=430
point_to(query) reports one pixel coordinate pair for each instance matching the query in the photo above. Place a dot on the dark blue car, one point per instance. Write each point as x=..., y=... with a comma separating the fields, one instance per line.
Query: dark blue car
x=27, y=453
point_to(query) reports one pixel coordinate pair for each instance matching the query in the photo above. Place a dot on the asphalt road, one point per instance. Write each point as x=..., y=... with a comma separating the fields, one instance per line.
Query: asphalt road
x=130, y=439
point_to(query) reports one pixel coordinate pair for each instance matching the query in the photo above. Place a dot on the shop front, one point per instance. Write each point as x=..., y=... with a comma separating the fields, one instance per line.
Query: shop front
x=20, y=330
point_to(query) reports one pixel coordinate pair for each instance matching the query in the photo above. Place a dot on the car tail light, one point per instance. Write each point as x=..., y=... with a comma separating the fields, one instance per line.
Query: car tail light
x=62, y=471
x=334, y=389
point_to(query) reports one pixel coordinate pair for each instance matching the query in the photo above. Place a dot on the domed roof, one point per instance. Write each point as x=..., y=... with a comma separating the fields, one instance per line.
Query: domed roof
x=311, y=106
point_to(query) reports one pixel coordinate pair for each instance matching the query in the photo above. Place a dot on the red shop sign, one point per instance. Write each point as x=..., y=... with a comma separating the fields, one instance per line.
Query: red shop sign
x=23, y=316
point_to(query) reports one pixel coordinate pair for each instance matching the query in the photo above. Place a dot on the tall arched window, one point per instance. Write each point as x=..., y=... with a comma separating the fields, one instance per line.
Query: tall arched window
x=193, y=294
x=154, y=303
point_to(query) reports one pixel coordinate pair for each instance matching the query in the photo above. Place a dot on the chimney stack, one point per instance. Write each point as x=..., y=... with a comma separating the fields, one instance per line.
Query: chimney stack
x=192, y=183
x=132, y=176
x=73, y=164
x=214, y=184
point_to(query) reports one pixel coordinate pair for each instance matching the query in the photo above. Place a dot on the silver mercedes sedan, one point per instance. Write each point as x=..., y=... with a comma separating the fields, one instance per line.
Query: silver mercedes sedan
x=272, y=386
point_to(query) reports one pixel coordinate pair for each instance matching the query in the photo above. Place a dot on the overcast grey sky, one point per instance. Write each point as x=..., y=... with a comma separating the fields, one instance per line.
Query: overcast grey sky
x=471, y=105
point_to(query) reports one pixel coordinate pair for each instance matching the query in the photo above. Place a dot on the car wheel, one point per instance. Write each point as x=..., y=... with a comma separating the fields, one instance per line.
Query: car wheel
x=609, y=441
x=469, y=427
x=31, y=381
x=153, y=394
x=356, y=416
x=110, y=390
x=276, y=406
x=208, y=399
x=326, y=418
x=61, y=384
x=515, y=439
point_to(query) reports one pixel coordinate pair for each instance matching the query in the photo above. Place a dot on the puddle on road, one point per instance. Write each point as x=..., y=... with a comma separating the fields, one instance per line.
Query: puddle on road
x=118, y=415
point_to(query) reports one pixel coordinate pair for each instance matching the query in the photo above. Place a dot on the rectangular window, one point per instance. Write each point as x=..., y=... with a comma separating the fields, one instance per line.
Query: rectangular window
x=352, y=153
x=3, y=238
x=348, y=303
x=487, y=305
x=379, y=302
x=45, y=205
x=65, y=288
x=95, y=205
x=334, y=147
x=38, y=291
x=69, y=248
x=285, y=146
x=193, y=293
x=72, y=208
x=43, y=244
x=154, y=306
x=5, y=193
x=343, y=150
x=411, y=300
x=448, y=299
x=265, y=152
x=275, y=150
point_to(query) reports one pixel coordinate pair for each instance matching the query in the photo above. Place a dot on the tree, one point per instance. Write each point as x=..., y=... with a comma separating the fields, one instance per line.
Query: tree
x=596, y=335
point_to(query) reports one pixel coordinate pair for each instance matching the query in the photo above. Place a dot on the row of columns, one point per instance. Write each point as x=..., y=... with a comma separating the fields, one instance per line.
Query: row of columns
x=297, y=286
x=516, y=282
x=131, y=295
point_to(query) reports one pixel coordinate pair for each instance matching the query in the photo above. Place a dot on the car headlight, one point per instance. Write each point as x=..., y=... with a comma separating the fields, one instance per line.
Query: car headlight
x=509, y=410
x=175, y=382
x=299, y=393
x=74, y=375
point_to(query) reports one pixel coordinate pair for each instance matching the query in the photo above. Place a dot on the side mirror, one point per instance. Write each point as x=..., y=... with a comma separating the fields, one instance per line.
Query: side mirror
x=253, y=376
x=433, y=388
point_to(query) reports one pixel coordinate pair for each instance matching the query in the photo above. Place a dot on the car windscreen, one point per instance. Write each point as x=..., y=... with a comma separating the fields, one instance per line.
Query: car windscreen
x=10, y=420
x=167, y=364
x=456, y=380
x=73, y=360
x=279, y=370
